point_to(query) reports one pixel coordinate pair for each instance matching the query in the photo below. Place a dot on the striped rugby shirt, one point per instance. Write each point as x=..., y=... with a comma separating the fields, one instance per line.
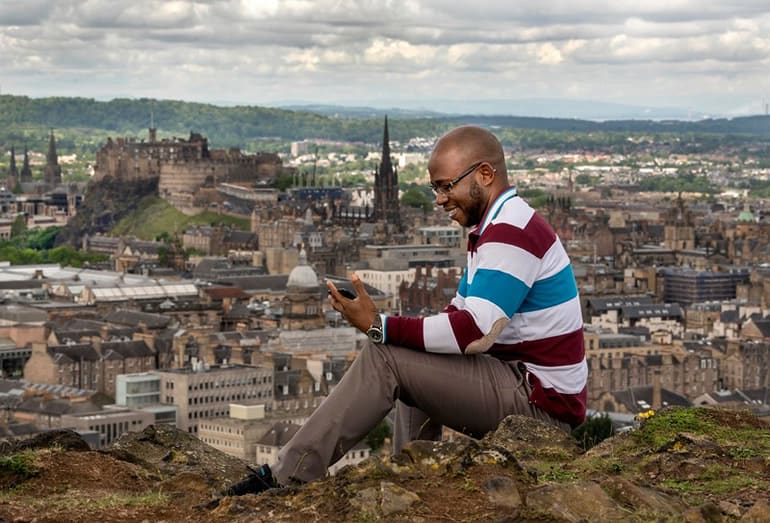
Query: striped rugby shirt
x=519, y=279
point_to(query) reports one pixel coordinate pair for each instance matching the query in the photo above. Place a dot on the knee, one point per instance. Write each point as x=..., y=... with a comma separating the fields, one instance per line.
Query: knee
x=378, y=355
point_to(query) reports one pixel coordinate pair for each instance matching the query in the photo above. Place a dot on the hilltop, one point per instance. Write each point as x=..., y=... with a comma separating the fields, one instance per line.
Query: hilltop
x=695, y=465
x=25, y=120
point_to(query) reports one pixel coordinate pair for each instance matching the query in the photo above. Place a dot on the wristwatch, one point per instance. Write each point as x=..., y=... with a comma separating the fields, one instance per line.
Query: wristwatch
x=376, y=332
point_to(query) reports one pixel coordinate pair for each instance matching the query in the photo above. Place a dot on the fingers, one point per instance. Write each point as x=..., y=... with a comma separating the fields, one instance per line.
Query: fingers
x=358, y=285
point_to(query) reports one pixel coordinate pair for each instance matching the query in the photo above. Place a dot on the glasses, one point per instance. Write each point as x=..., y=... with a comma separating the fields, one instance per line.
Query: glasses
x=446, y=188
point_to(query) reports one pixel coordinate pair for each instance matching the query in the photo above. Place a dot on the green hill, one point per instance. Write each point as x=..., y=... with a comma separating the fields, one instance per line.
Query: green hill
x=83, y=123
x=154, y=216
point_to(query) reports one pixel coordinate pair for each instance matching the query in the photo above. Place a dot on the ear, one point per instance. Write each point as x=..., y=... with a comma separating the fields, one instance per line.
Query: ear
x=486, y=174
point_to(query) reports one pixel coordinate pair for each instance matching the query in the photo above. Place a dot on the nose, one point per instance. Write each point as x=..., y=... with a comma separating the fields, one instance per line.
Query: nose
x=441, y=197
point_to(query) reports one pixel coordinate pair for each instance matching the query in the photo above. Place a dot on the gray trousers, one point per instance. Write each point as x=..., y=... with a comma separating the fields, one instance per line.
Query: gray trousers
x=470, y=394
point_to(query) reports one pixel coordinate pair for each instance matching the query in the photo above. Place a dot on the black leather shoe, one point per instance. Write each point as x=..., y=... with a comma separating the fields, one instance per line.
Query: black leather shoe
x=257, y=481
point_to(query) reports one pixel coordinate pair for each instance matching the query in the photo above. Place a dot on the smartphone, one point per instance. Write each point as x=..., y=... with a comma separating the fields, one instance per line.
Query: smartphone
x=346, y=293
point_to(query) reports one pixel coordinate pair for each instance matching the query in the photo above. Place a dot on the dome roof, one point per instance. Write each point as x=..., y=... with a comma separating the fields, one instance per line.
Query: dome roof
x=303, y=276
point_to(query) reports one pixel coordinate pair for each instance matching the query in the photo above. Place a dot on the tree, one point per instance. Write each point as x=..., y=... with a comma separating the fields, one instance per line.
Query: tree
x=376, y=438
x=19, y=226
x=417, y=196
x=594, y=431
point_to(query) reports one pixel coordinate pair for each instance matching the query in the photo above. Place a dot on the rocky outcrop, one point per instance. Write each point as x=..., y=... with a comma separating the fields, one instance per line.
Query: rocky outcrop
x=105, y=203
x=695, y=465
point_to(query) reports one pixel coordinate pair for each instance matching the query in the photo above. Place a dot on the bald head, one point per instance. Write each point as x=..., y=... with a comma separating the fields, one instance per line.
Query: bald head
x=467, y=145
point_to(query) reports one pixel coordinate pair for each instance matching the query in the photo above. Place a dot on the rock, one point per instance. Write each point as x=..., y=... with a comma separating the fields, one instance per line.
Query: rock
x=64, y=439
x=389, y=499
x=367, y=501
x=640, y=498
x=526, y=438
x=583, y=501
x=503, y=491
x=730, y=509
x=706, y=513
x=396, y=499
x=171, y=452
x=758, y=513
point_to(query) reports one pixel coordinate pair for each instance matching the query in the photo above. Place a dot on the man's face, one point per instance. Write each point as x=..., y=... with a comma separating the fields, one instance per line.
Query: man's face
x=463, y=199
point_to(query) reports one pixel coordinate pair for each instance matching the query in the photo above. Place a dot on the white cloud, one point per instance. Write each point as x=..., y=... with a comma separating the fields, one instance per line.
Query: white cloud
x=657, y=52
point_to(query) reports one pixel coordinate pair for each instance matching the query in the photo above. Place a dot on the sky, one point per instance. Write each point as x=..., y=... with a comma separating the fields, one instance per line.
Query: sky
x=704, y=57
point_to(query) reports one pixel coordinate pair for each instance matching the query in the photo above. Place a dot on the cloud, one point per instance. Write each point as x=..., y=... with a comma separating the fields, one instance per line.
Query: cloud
x=359, y=51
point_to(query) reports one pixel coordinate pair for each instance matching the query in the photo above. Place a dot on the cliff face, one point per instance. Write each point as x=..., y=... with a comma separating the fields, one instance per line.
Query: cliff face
x=680, y=465
x=106, y=201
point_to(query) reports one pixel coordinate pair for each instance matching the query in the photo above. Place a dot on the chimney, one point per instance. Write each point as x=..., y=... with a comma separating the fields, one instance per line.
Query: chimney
x=656, y=399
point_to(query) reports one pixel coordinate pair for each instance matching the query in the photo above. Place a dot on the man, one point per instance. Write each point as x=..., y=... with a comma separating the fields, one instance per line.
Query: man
x=510, y=341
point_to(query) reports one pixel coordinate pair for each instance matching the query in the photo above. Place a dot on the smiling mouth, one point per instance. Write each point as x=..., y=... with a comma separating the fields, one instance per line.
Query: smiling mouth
x=452, y=212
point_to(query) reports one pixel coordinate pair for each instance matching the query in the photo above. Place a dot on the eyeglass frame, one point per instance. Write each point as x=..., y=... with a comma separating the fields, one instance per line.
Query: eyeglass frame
x=446, y=188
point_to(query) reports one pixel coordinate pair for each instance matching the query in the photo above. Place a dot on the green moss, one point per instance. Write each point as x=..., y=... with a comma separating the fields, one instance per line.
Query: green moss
x=557, y=475
x=724, y=427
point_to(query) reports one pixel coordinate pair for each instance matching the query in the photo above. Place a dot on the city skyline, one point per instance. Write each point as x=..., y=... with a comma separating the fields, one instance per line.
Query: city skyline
x=676, y=58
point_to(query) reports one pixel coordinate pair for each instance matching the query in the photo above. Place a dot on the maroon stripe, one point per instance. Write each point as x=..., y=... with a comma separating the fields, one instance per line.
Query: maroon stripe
x=450, y=308
x=565, y=349
x=464, y=328
x=569, y=408
x=536, y=238
x=405, y=332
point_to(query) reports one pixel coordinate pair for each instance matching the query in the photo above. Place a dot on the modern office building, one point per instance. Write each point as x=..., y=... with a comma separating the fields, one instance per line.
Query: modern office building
x=204, y=392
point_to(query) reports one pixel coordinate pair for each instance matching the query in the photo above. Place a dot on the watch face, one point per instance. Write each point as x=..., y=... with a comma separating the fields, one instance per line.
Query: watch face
x=375, y=334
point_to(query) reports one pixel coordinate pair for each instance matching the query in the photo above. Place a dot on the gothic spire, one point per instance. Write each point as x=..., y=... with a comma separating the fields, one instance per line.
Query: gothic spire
x=52, y=168
x=386, y=185
x=26, y=171
x=53, y=158
x=12, y=168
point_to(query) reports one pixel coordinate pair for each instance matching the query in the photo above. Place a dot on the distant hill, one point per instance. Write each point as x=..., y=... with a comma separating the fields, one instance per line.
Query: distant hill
x=25, y=120
x=528, y=107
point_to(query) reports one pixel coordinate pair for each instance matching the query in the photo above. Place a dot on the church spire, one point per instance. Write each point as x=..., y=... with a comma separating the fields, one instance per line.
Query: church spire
x=26, y=171
x=386, y=185
x=386, y=143
x=52, y=157
x=12, y=171
x=52, y=168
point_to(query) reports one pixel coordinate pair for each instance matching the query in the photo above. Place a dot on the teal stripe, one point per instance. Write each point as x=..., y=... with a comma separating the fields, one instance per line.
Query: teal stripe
x=551, y=291
x=502, y=289
x=462, y=287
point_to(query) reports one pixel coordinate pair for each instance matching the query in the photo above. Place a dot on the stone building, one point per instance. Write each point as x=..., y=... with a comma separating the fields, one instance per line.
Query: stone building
x=182, y=166
x=90, y=366
x=746, y=365
x=303, y=302
x=238, y=434
x=204, y=392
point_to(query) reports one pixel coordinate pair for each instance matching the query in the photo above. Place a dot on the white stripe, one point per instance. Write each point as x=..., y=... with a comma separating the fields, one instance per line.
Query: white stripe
x=484, y=312
x=545, y=323
x=502, y=199
x=554, y=260
x=517, y=262
x=438, y=335
x=516, y=212
x=566, y=379
x=458, y=301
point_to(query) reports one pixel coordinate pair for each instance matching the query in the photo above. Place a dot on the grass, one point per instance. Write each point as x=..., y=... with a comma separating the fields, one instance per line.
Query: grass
x=155, y=216
x=78, y=500
x=663, y=428
x=21, y=465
